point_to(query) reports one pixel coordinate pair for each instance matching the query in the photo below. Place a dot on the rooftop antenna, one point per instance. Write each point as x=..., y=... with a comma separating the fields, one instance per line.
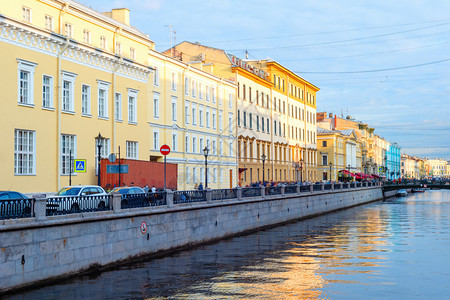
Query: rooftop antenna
x=171, y=38
x=246, y=54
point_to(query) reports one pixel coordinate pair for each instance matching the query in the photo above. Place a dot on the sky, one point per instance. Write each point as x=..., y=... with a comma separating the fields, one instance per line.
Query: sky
x=385, y=63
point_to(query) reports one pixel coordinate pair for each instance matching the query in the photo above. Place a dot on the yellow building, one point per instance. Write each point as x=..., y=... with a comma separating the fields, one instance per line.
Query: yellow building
x=73, y=73
x=338, y=150
x=275, y=118
x=436, y=167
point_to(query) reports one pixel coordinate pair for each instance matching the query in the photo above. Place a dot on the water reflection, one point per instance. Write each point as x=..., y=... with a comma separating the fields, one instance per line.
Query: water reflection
x=392, y=249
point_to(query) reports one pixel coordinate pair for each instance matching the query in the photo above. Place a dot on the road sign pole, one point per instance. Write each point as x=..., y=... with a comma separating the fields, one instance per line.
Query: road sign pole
x=119, y=168
x=165, y=172
x=70, y=166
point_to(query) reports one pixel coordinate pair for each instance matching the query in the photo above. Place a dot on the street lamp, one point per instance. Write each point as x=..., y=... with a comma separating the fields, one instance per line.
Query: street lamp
x=263, y=158
x=331, y=176
x=205, y=152
x=99, y=140
x=301, y=170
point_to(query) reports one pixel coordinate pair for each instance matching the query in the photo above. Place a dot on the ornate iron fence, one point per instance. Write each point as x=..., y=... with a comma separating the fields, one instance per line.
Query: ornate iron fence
x=223, y=194
x=305, y=188
x=180, y=197
x=327, y=187
x=290, y=189
x=19, y=208
x=143, y=200
x=273, y=190
x=72, y=205
x=251, y=192
x=317, y=187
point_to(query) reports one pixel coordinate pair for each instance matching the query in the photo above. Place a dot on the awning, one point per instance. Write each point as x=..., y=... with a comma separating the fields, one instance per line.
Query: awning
x=375, y=176
x=242, y=170
x=362, y=175
x=348, y=173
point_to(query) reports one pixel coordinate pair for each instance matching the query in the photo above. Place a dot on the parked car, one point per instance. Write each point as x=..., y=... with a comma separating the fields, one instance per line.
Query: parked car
x=133, y=196
x=14, y=205
x=78, y=198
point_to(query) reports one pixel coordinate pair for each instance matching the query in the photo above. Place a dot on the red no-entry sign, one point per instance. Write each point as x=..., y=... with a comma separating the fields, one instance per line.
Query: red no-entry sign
x=165, y=150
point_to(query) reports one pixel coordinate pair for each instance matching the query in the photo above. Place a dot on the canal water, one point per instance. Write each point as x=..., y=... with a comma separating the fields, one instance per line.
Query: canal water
x=396, y=249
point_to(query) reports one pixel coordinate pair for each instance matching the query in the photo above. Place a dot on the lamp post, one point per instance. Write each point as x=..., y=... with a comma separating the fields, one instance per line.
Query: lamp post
x=331, y=176
x=263, y=158
x=205, y=152
x=301, y=170
x=99, y=140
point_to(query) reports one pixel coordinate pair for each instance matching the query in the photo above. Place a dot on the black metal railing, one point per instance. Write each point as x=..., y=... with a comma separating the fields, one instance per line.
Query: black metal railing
x=273, y=190
x=143, y=200
x=223, y=194
x=72, y=205
x=251, y=192
x=290, y=189
x=317, y=187
x=337, y=186
x=180, y=197
x=305, y=188
x=327, y=187
x=16, y=208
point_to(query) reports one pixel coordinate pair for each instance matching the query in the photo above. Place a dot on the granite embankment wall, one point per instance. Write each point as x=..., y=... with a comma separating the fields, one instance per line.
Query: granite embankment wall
x=34, y=251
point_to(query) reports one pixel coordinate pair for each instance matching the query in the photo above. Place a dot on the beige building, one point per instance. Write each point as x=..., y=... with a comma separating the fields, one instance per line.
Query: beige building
x=275, y=121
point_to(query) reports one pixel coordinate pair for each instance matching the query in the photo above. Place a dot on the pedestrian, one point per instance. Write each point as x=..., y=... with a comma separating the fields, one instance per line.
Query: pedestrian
x=146, y=188
x=200, y=187
x=153, y=189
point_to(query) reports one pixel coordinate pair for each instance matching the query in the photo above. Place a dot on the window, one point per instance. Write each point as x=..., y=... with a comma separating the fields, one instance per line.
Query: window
x=214, y=119
x=174, y=109
x=324, y=160
x=200, y=116
x=186, y=143
x=275, y=127
x=85, y=99
x=257, y=123
x=118, y=48
x=194, y=114
x=250, y=119
x=214, y=147
x=243, y=90
x=47, y=91
x=174, y=141
x=239, y=117
x=207, y=93
x=201, y=144
x=68, y=30
x=186, y=112
x=68, y=153
x=193, y=88
x=262, y=124
x=24, y=152
x=86, y=36
x=220, y=121
x=103, y=88
x=156, y=76
x=324, y=143
x=155, y=105
x=200, y=90
x=174, y=81
x=132, y=106
x=194, y=144
x=187, y=175
x=220, y=148
x=118, y=107
x=155, y=140
x=207, y=118
x=268, y=126
x=245, y=119
x=26, y=14
x=132, y=150
x=132, y=53
x=103, y=43
x=230, y=149
x=48, y=22
x=186, y=86
x=213, y=94
x=230, y=100
x=68, y=82
x=230, y=122
x=26, y=82
x=279, y=129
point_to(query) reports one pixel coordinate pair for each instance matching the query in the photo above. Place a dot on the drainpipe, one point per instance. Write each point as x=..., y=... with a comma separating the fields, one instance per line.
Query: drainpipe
x=119, y=63
x=58, y=107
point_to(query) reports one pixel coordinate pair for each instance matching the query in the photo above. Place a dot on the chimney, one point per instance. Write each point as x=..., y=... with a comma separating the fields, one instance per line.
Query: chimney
x=121, y=15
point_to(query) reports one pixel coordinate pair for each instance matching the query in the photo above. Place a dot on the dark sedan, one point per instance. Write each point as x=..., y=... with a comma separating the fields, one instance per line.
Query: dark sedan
x=14, y=205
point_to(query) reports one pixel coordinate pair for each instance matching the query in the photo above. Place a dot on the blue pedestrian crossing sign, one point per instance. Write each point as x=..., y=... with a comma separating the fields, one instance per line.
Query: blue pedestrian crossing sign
x=80, y=165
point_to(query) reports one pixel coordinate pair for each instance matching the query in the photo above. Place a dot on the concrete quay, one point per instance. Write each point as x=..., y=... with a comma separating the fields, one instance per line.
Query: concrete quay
x=42, y=249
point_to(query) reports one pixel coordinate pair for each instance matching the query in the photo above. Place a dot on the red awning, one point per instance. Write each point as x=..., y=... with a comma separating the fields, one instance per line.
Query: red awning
x=348, y=173
x=362, y=175
x=375, y=176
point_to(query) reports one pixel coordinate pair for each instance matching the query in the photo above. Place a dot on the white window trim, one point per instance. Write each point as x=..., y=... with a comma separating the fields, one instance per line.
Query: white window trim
x=186, y=108
x=74, y=155
x=132, y=93
x=156, y=112
x=173, y=114
x=103, y=85
x=50, y=106
x=69, y=76
x=174, y=82
x=156, y=76
x=27, y=66
x=88, y=113
x=33, y=153
x=137, y=150
x=118, y=108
